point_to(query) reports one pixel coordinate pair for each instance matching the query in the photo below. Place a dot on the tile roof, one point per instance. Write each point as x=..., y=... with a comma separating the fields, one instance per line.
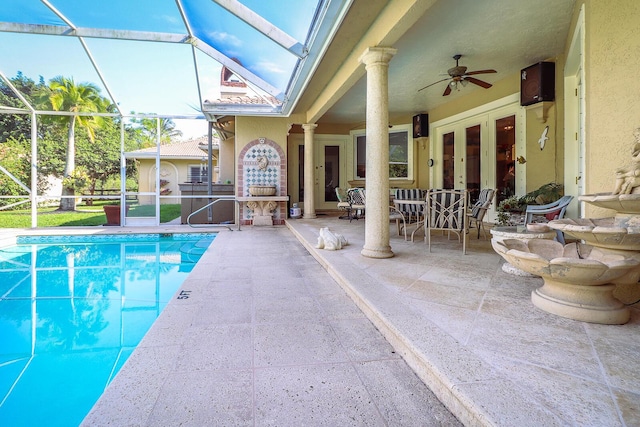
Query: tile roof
x=244, y=100
x=193, y=148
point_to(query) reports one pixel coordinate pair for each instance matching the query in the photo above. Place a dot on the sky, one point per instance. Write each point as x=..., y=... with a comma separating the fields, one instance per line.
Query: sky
x=151, y=77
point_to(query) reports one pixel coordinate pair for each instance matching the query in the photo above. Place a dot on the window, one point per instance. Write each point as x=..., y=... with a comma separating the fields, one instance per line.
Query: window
x=197, y=173
x=400, y=153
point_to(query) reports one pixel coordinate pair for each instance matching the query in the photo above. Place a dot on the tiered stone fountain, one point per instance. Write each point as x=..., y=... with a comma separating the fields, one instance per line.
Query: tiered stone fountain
x=580, y=278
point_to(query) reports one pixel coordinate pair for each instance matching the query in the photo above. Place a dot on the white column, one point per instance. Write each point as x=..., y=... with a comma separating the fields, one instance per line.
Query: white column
x=309, y=171
x=376, y=228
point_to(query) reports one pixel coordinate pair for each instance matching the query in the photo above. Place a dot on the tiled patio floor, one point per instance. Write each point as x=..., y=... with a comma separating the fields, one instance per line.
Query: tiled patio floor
x=268, y=338
x=473, y=335
x=265, y=338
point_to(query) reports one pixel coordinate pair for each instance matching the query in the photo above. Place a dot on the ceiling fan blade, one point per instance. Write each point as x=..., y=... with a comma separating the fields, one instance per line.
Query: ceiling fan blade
x=434, y=83
x=478, y=82
x=447, y=91
x=480, y=72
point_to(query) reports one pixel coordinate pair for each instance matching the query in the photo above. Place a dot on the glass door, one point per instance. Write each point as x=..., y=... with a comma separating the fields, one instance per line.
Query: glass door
x=448, y=160
x=473, y=163
x=505, y=135
x=479, y=152
x=330, y=172
x=331, y=167
x=462, y=158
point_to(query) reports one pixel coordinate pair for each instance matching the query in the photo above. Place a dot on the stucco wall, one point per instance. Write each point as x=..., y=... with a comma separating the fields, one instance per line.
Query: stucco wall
x=146, y=172
x=542, y=166
x=612, y=38
x=250, y=129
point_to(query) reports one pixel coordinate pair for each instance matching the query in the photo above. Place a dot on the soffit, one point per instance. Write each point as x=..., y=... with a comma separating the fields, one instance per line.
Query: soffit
x=505, y=35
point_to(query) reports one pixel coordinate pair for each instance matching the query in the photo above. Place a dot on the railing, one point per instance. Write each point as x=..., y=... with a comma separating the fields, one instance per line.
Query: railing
x=210, y=205
x=100, y=193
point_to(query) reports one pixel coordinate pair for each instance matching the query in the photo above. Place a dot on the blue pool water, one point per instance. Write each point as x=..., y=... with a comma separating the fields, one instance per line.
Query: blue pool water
x=72, y=309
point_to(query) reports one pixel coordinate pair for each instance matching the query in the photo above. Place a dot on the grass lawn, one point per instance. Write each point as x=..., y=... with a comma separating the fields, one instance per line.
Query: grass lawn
x=83, y=216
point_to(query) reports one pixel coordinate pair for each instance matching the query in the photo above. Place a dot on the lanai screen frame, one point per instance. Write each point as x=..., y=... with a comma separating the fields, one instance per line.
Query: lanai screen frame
x=32, y=189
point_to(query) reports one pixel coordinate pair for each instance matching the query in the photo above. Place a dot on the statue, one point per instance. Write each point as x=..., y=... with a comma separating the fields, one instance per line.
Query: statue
x=330, y=241
x=628, y=178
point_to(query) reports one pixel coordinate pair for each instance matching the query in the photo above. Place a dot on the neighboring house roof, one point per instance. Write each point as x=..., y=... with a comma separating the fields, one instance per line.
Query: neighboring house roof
x=191, y=149
x=245, y=99
x=233, y=91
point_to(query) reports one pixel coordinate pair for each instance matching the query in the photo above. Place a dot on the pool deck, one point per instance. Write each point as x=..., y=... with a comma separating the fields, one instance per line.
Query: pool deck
x=277, y=332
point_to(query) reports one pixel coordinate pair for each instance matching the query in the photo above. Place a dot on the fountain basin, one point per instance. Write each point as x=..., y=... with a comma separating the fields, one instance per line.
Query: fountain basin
x=619, y=232
x=622, y=203
x=262, y=190
x=577, y=278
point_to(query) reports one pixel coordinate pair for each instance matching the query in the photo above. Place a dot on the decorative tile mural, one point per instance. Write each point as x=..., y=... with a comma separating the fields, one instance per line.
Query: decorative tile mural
x=261, y=167
x=262, y=162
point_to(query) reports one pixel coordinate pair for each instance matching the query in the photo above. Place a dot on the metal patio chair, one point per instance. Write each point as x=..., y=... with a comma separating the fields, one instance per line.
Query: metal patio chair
x=479, y=209
x=357, y=199
x=446, y=210
x=343, y=202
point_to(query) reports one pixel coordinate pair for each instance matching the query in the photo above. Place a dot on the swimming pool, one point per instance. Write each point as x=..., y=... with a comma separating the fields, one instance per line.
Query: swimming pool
x=72, y=310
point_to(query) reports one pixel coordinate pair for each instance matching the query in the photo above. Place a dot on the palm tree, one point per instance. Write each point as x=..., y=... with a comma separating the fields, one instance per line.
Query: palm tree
x=149, y=129
x=63, y=94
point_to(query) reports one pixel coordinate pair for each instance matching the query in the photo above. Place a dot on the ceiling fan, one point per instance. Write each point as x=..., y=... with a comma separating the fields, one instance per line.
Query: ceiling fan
x=458, y=75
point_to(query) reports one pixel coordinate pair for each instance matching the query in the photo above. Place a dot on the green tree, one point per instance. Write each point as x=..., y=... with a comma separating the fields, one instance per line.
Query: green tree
x=63, y=94
x=149, y=130
x=102, y=161
x=15, y=158
x=17, y=125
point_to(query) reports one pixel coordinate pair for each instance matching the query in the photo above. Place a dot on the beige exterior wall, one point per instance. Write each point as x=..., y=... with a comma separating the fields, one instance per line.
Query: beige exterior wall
x=612, y=107
x=613, y=90
x=226, y=156
x=180, y=167
x=273, y=128
x=542, y=166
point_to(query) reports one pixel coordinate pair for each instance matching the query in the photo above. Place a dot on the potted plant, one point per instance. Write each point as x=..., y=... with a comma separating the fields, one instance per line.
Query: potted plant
x=164, y=191
x=518, y=204
x=112, y=212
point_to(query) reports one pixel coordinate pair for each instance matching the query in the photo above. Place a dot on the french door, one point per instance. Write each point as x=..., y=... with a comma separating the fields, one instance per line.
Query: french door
x=462, y=147
x=479, y=152
x=330, y=173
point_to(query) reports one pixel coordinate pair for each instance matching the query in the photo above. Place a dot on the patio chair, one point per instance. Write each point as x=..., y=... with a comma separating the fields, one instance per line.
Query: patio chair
x=343, y=202
x=356, y=197
x=446, y=210
x=548, y=212
x=397, y=216
x=479, y=209
x=411, y=212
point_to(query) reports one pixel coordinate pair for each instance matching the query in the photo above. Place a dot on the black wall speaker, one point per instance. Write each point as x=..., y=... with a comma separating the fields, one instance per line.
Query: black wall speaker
x=538, y=83
x=420, y=125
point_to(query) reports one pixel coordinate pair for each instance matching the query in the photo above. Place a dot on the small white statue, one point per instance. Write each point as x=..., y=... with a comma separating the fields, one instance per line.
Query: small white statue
x=628, y=178
x=330, y=241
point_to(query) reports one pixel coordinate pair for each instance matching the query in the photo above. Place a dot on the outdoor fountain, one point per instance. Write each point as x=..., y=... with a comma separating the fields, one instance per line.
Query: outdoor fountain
x=580, y=278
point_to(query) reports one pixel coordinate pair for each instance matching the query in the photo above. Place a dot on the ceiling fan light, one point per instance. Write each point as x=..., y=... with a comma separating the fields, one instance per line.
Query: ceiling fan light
x=464, y=82
x=453, y=84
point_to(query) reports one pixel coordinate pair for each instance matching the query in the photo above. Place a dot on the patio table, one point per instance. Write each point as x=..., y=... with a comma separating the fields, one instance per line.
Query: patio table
x=419, y=222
